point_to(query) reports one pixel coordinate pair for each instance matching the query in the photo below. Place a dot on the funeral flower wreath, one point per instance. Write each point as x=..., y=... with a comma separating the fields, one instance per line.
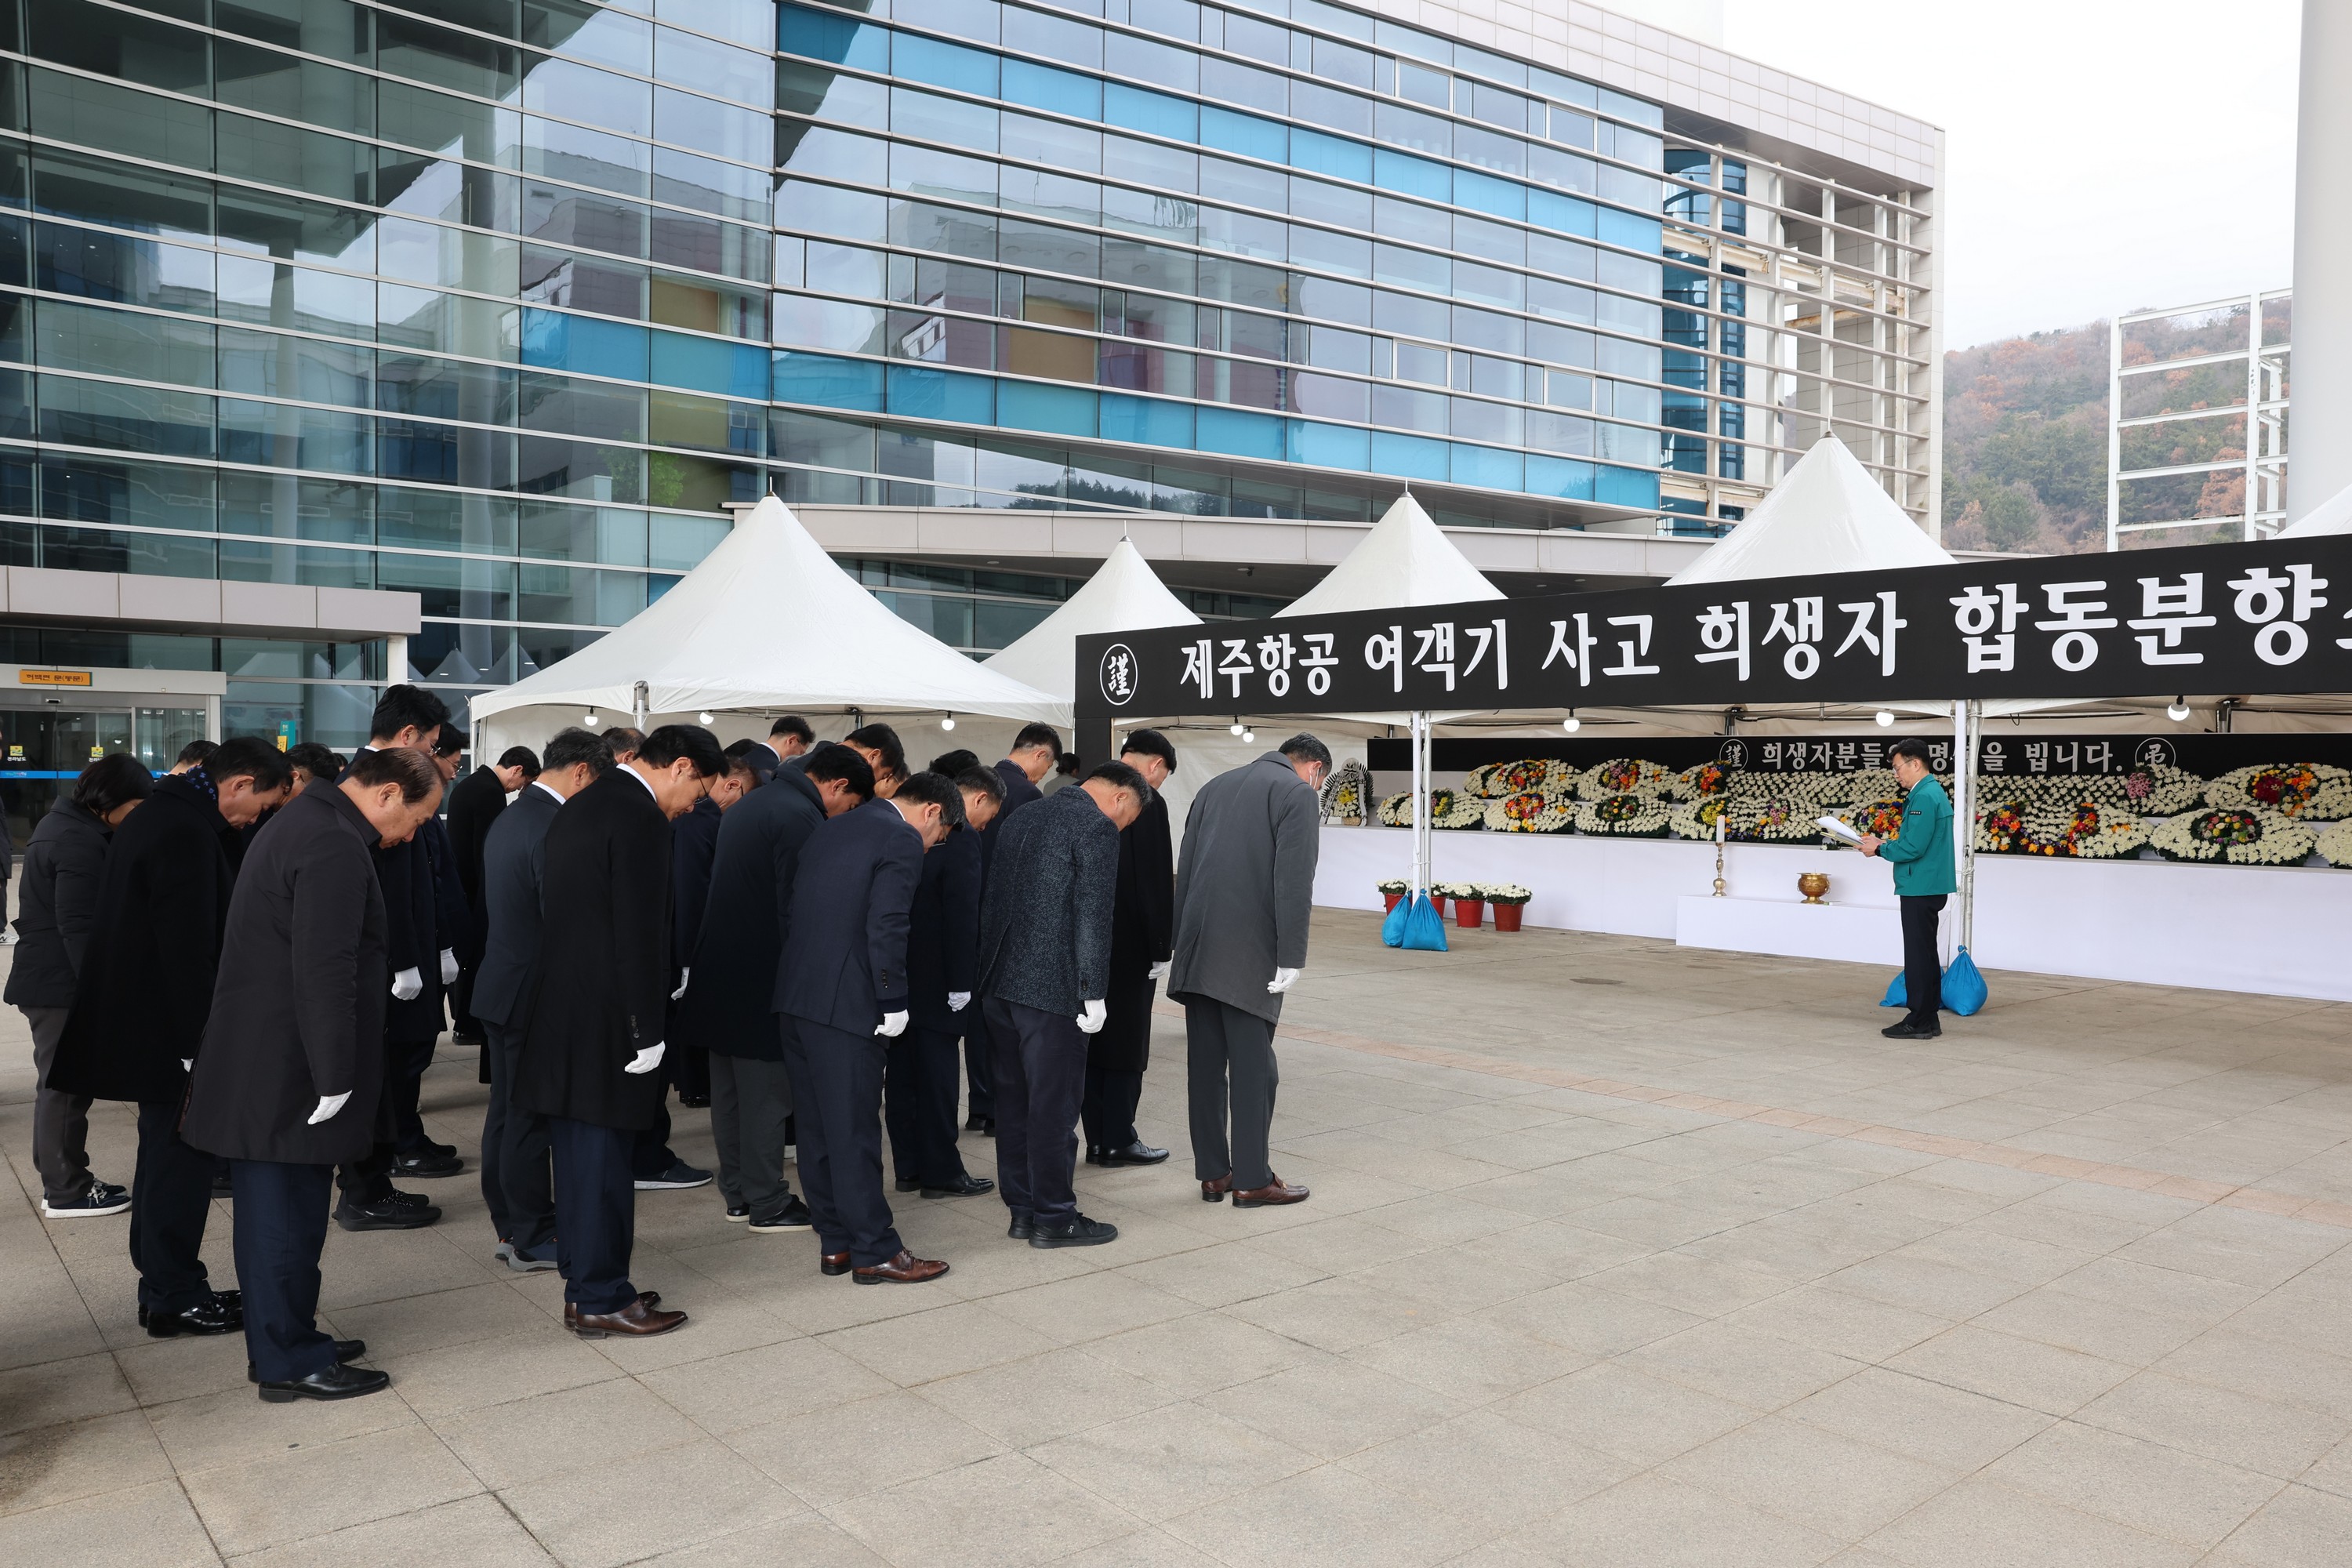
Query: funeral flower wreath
x=1623, y=817
x=1622, y=775
x=2241, y=836
x=1531, y=811
x=1538, y=775
x=2313, y=790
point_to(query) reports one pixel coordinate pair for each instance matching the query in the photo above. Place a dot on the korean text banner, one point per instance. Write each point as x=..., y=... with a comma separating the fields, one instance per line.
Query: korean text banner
x=2207, y=619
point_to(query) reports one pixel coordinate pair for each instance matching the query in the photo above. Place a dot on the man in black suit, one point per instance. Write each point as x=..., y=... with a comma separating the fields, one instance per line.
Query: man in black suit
x=140, y=998
x=789, y=737
x=1035, y=751
x=881, y=746
x=694, y=848
x=1143, y=924
x=1045, y=968
x=406, y=717
x=515, y=1181
x=592, y=1050
x=289, y=1077
x=942, y=954
x=433, y=860
x=842, y=989
x=729, y=1008
x=474, y=803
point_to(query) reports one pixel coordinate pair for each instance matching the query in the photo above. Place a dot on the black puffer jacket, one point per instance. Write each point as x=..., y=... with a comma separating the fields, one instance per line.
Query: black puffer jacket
x=63, y=863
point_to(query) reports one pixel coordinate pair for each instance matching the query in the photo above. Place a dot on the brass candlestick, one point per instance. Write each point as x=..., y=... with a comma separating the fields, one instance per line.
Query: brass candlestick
x=1719, y=891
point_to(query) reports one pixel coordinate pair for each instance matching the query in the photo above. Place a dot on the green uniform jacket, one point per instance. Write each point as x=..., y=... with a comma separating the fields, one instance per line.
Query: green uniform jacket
x=1921, y=853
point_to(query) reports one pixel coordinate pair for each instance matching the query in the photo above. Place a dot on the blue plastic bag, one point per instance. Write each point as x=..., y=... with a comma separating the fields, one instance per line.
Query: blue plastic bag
x=1964, y=989
x=1414, y=923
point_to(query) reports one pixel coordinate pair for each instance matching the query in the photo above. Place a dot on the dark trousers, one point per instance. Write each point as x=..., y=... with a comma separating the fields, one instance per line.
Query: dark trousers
x=693, y=1074
x=404, y=1063
x=837, y=1114
x=751, y=1104
x=1229, y=1070
x=60, y=1122
x=979, y=1073
x=1109, y=1109
x=462, y=1022
x=920, y=1106
x=281, y=1229
x=595, y=1213
x=516, y=1182
x=650, y=1155
x=1923, y=964
x=1041, y=1076
x=170, y=1196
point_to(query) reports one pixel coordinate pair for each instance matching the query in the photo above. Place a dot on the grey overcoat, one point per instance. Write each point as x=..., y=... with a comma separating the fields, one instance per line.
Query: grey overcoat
x=1245, y=884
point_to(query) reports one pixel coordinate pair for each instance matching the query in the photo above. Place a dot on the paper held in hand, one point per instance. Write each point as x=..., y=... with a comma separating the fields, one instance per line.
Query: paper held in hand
x=1831, y=824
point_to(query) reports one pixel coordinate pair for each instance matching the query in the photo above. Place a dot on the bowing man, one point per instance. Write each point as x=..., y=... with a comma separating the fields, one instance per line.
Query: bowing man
x=843, y=991
x=730, y=1009
x=694, y=849
x=1143, y=920
x=515, y=1184
x=1035, y=751
x=943, y=951
x=290, y=1077
x=789, y=737
x=592, y=1052
x=140, y=998
x=476, y=803
x=1045, y=966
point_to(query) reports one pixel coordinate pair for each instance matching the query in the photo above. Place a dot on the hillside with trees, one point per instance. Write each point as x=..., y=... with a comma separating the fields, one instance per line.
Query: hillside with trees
x=2025, y=442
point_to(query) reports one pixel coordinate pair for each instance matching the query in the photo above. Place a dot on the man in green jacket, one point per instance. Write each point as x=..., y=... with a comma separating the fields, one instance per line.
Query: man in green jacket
x=1921, y=854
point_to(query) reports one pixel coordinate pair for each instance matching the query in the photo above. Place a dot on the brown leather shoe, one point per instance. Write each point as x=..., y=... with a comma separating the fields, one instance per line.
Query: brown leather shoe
x=1214, y=1192
x=635, y=1321
x=904, y=1269
x=648, y=1299
x=1275, y=1192
x=833, y=1262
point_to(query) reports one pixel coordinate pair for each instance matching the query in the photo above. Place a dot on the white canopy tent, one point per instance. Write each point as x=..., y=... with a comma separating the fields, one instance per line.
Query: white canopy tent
x=1406, y=560
x=1827, y=514
x=767, y=622
x=2333, y=515
x=1124, y=595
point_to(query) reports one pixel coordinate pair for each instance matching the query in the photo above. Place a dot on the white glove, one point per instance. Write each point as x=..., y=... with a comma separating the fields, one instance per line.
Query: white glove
x=407, y=985
x=645, y=1061
x=1284, y=979
x=683, y=976
x=892, y=1025
x=448, y=966
x=959, y=1000
x=1092, y=1018
x=328, y=1105
x=1160, y=970
x=187, y=1064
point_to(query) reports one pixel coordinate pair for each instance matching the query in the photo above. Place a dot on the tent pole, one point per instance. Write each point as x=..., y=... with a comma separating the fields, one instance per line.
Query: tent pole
x=1968, y=716
x=1421, y=801
x=638, y=700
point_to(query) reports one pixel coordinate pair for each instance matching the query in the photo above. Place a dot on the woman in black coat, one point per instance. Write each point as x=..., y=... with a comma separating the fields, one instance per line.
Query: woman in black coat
x=64, y=863
x=292, y=1068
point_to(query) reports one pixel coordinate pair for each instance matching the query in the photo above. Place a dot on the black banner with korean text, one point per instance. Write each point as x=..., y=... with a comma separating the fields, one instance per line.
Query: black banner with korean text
x=2215, y=619
x=2001, y=751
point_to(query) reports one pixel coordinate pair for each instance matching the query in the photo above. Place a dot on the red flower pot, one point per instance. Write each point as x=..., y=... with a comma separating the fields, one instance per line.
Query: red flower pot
x=1507, y=916
x=1469, y=913
x=1392, y=901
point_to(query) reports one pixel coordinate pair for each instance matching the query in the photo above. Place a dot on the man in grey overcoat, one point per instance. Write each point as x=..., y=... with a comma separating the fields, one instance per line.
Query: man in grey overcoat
x=1245, y=884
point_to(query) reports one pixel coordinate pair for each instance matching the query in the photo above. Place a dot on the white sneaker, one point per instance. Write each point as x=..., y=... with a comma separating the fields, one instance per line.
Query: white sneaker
x=102, y=1198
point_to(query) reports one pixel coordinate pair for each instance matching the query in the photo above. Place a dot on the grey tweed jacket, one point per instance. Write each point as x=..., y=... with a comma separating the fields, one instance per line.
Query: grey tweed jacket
x=1045, y=917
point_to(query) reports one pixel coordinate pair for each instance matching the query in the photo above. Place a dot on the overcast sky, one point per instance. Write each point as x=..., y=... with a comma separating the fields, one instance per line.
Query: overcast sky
x=2100, y=156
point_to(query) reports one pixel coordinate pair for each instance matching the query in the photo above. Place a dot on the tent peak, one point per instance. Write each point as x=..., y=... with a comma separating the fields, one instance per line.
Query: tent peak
x=1827, y=514
x=1406, y=560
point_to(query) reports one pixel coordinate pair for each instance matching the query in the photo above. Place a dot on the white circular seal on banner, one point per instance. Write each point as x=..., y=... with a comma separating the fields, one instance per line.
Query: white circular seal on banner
x=1118, y=674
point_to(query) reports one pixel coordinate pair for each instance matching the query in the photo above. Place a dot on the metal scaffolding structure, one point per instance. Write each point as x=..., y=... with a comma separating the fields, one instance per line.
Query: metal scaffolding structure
x=2197, y=427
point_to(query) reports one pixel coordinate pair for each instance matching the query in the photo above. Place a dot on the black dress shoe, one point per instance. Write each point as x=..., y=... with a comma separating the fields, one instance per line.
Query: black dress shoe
x=983, y=1125
x=965, y=1186
x=792, y=1216
x=222, y=1186
x=346, y=1352
x=1076, y=1231
x=1908, y=1030
x=467, y=1037
x=1135, y=1153
x=908, y=1184
x=1023, y=1225
x=389, y=1215
x=694, y=1102
x=213, y=1317
x=1095, y=1153
x=337, y=1382
x=425, y=1165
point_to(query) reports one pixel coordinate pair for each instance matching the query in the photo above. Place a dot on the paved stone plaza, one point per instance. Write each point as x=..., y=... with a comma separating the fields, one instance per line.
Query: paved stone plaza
x=1618, y=1255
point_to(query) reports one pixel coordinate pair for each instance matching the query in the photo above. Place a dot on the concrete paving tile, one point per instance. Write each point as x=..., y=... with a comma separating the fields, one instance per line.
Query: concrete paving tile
x=805, y=1539
x=51, y=1465
x=612, y=1513
x=1170, y=1461
x=1021, y=1403
x=1925, y=1420
x=2024, y=1372
x=53, y=1392
x=489, y=1311
x=1652, y=1522
x=476, y=1531
x=1326, y=1516
x=1190, y=1356
x=2111, y=1330
x=1089, y=1307
x=149, y=1526
x=1590, y=1320
x=1223, y=1273
x=1153, y=1548
x=457, y=1378
x=1486, y=1469
x=598, y=1424
x=2299, y=1528
x=953, y=1337
x=1854, y=1327
x=304, y=1490
x=2145, y=1485
x=1005, y=1512
x=1833, y=1484
x=1981, y=1521
x=234, y=1427
x=1339, y=1314
x=1331, y=1405
x=2221, y=1424
x=2308, y=1374
x=1473, y=1358
x=840, y=1451
x=1745, y=1368
x=751, y=1387
x=1626, y=1412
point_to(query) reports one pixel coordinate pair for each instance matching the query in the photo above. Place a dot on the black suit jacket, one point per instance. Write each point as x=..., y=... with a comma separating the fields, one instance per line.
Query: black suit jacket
x=474, y=804
x=297, y=1012
x=944, y=933
x=694, y=843
x=845, y=930
x=1143, y=919
x=145, y=986
x=763, y=760
x=1018, y=792
x=603, y=983
x=512, y=860
x=1045, y=917
x=730, y=1007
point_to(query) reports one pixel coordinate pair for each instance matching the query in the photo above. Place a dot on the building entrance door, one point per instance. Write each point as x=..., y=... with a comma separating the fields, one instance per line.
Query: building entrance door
x=42, y=749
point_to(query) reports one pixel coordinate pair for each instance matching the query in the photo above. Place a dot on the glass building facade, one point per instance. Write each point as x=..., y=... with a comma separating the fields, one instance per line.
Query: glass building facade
x=501, y=302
